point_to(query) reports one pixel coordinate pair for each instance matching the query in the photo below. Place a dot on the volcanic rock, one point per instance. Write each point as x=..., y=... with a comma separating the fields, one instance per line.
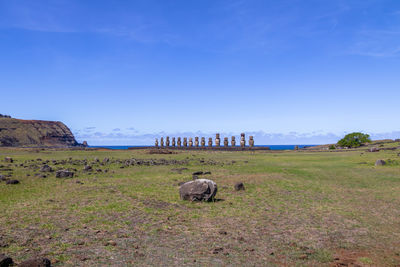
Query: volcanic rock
x=46, y=168
x=198, y=190
x=5, y=261
x=380, y=162
x=64, y=174
x=239, y=186
x=37, y=262
x=12, y=182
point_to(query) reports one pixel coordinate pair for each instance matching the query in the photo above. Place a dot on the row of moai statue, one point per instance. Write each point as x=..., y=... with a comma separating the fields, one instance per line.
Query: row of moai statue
x=178, y=142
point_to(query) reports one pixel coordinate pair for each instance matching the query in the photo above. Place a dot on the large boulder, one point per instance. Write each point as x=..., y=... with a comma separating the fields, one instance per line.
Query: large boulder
x=380, y=162
x=198, y=190
x=36, y=262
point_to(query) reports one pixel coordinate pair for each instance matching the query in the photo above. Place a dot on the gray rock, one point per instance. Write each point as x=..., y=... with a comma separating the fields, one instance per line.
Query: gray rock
x=46, y=168
x=87, y=168
x=5, y=261
x=239, y=186
x=64, y=174
x=12, y=182
x=198, y=190
x=8, y=159
x=37, y=262
x=380, y=162
x=373, y=149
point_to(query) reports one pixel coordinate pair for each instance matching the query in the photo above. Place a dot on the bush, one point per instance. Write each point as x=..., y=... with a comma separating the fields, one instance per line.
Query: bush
x=332, y=147
x=354, y=140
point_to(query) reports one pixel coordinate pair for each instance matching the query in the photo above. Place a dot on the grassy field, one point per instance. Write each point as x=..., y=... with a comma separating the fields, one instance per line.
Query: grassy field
x=299, y=209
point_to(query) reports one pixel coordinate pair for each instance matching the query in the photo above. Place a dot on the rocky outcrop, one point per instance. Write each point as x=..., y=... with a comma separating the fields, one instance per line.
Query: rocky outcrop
x=35, y=133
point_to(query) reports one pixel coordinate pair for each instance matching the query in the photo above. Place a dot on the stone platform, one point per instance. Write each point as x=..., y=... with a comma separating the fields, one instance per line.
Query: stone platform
x=214, y=148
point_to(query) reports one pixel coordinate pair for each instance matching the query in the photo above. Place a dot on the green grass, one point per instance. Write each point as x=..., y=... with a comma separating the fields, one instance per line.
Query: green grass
x=324, y=201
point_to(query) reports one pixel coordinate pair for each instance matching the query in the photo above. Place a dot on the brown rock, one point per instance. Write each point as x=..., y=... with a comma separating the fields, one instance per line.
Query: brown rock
x=239, y=186
x=37, y=262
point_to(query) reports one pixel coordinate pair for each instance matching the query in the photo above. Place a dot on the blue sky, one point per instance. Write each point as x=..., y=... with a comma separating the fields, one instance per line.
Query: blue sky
x=124, y=72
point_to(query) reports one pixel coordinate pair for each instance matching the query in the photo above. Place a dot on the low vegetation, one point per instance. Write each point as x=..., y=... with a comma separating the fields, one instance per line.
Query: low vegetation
x=299, y=208
x=353, y=140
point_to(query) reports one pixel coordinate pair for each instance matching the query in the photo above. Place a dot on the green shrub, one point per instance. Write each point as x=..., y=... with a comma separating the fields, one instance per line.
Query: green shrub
x=332, y=147
x=354, y=140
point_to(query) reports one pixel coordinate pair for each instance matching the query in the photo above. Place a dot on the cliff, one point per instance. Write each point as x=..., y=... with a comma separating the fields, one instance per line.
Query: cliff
x=35, y=133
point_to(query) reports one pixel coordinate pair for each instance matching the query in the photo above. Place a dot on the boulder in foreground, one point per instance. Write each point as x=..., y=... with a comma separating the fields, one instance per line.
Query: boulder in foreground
x=198, y=190
x=380, y=162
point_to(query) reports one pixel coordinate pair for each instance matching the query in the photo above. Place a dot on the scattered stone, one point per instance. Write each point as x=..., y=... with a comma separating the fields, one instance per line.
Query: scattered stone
x=373, y=149
x=87, y=168
x=5, y=261
x=46, y=168
x=239, y=186
x=380, y=162
x=12, y=182
x=37, y=262
x=79, y=182
x=106, y=160
x=221, y=232
x=197, y=173
x=198, y=190
x=2, y=178
x=217, y=250
x=64, y=174
x=8, y=159
x=111, y=243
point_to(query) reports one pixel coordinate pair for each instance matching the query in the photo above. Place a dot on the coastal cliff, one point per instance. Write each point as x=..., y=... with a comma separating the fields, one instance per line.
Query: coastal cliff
x=35, y=133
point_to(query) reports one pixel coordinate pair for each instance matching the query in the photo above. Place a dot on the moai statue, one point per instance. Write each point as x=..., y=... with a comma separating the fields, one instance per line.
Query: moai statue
x=179, y=142
x=233, y=141
x=156, y=144
x=210, y=142
x=190, y=141
x=242, y=140
x=217, y=140
x=184, y=141
x=203, y=142
x=162, y=142
x=251, y=141
x=196, y=141
x=226, y=142
x=167, y=141
x=173, y=141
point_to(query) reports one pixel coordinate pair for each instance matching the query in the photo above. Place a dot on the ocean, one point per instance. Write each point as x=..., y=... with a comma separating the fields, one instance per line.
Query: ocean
x=273, y=147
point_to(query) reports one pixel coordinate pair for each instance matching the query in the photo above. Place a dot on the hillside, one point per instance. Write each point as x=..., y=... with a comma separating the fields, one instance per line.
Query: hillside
x=35, y=133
